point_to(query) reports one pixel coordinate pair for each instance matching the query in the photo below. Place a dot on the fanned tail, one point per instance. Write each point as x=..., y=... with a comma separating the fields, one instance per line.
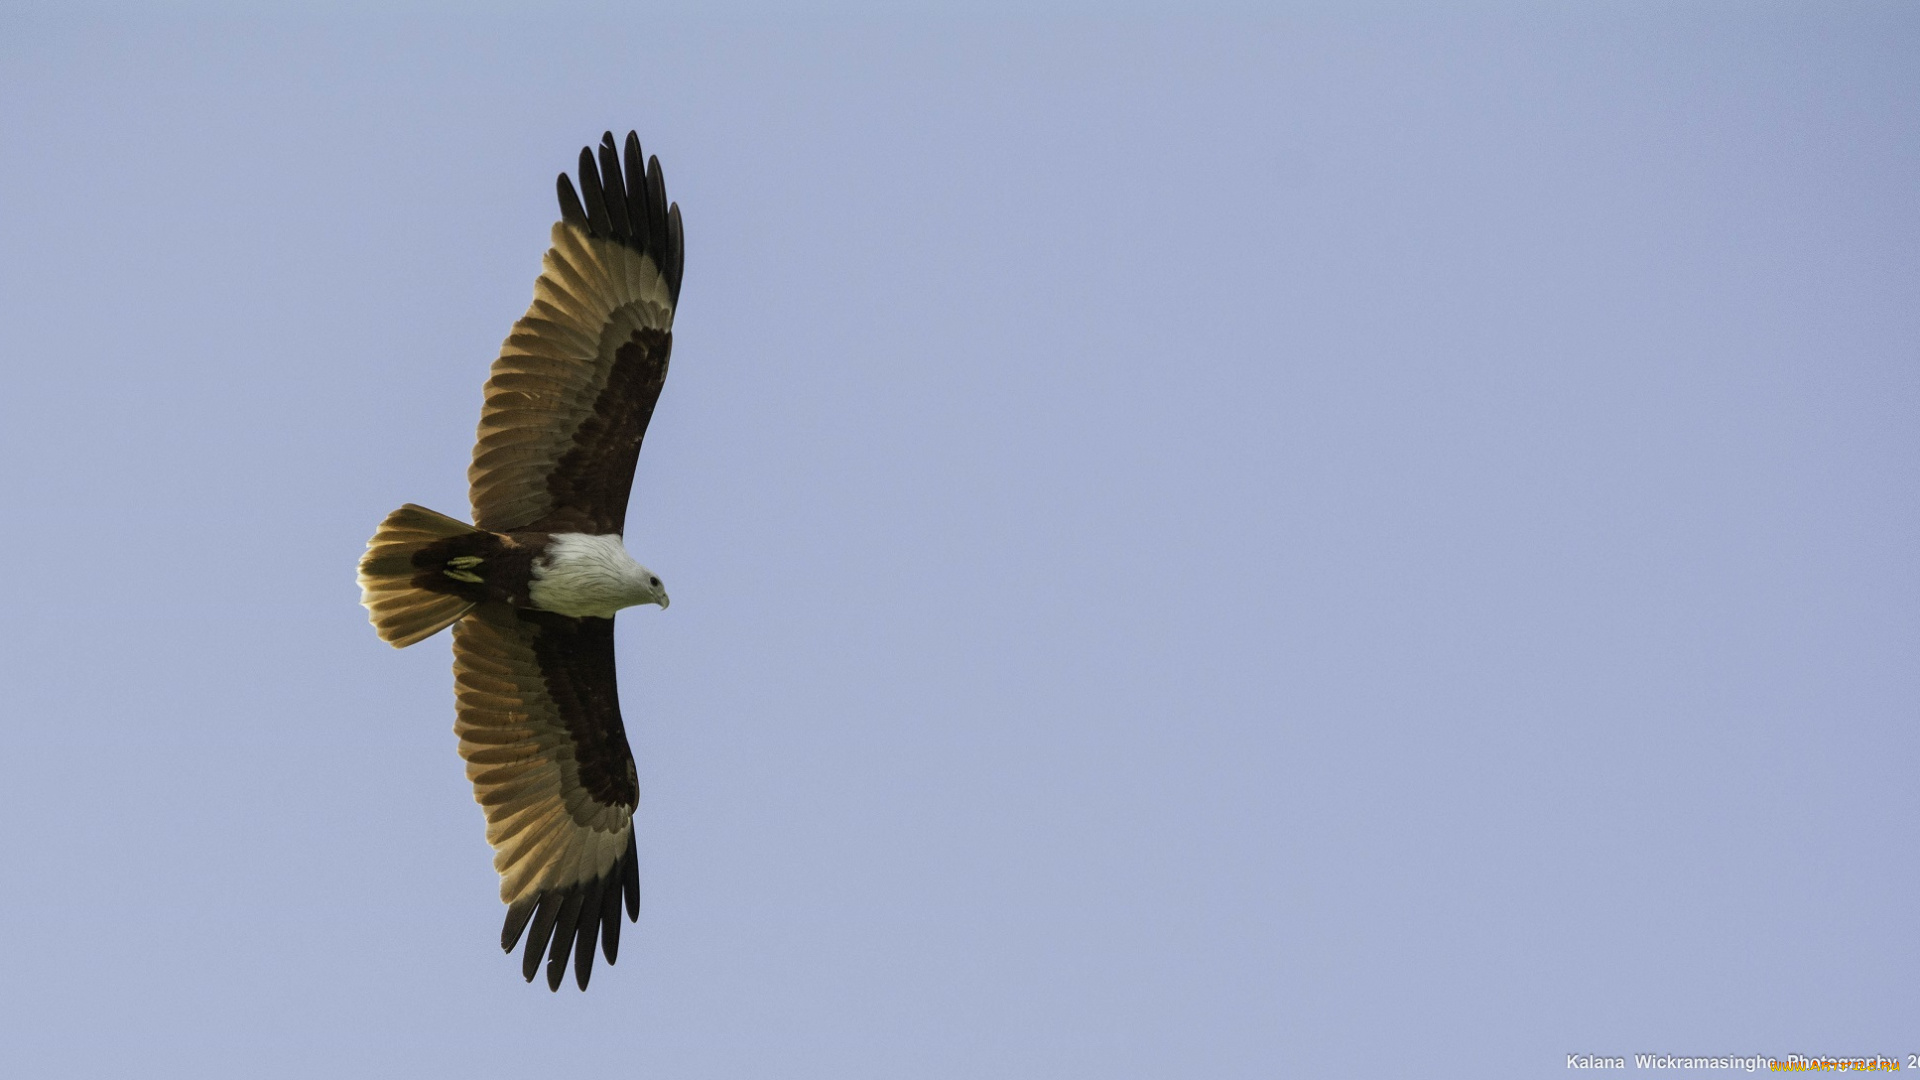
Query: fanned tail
x=403, y=613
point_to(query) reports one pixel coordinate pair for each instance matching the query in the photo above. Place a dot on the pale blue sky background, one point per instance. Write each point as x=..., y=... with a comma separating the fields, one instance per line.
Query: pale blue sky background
x=1298, y=544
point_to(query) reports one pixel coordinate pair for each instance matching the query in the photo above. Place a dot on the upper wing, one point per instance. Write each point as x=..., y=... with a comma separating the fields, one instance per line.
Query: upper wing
x=539, y=726
x=568, y=400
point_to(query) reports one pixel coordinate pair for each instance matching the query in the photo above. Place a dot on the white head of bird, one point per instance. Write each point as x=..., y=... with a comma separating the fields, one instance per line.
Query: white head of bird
x=582, y=574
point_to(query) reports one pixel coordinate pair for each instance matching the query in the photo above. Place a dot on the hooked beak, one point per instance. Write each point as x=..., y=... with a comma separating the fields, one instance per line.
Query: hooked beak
x=663, y=601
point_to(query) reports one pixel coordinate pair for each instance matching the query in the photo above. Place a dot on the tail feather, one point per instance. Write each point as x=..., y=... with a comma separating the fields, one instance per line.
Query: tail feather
x=403, y=613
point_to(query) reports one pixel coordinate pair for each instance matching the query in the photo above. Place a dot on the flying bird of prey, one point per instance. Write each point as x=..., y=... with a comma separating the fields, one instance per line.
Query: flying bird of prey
x=531, y=587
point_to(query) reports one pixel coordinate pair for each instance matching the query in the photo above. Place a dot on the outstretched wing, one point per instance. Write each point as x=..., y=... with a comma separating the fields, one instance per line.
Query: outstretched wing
x=568, y=400
x=539, y=726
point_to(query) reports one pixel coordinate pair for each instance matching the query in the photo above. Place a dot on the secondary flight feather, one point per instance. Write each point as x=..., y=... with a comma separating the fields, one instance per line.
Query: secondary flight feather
x=531, y=587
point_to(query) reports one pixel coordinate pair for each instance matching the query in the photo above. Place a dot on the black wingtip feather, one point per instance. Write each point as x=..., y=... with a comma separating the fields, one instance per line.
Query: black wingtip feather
x=610, y=918
x=636, y=170
x=571, y=211
x=517, y=916
x=563, y=935
x=630, y=879
x=676, y=253
x=591, y=194
x=656, y=211
x=589, y=931
x=542, y=929
x=613, y=190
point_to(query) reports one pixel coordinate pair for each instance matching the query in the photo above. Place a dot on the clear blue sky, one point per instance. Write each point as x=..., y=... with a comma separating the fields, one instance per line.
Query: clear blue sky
x=1311, y=544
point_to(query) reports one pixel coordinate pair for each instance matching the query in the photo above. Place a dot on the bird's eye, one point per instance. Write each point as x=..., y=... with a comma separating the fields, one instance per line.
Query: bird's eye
x=656, y=582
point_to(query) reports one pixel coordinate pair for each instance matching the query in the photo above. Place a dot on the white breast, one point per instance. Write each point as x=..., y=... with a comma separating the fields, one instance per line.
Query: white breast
x=581, y=574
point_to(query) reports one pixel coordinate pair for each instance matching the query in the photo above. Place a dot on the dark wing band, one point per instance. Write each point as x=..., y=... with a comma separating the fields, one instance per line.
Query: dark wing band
x=539, y=726
x=569, y=399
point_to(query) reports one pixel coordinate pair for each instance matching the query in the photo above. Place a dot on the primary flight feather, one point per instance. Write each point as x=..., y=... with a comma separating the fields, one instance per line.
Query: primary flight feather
x=531, y=587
